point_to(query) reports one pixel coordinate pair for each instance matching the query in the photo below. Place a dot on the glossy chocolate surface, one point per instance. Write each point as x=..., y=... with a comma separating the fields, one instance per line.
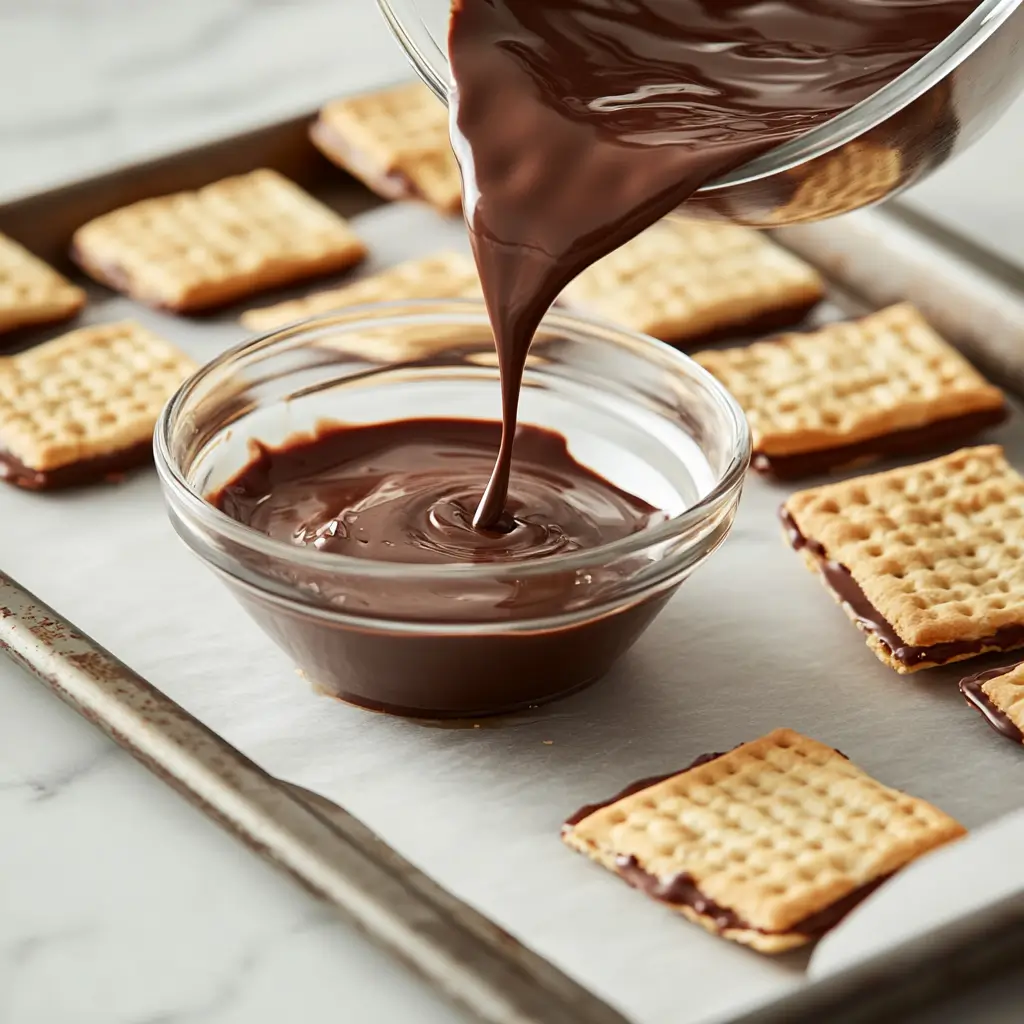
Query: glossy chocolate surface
x=405, y=491
x=579, y=124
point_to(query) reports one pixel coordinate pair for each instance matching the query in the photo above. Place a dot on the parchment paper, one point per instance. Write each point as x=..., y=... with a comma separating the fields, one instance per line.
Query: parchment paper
x=752, y=642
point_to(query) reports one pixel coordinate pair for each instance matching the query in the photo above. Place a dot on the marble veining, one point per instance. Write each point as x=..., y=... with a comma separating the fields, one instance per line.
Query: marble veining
x=57, y=780
x=120, y=904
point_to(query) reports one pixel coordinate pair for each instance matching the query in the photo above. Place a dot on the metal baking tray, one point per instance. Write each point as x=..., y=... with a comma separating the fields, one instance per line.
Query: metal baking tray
x=749, y=644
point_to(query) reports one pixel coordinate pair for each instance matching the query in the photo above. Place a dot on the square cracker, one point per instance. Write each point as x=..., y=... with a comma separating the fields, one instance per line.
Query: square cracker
x=196, y=250
x=682, y=279
x=396, y=142
x=775, y=831
x=937, y=549
x=445, y=275
x=31, y=291
x=850, y=383
x=93, y=393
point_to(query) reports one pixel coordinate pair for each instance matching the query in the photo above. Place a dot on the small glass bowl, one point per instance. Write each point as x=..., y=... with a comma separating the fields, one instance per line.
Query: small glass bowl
x=464, y=640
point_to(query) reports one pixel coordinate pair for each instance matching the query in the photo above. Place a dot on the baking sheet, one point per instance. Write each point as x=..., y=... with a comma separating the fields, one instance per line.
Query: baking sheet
x=750, y=643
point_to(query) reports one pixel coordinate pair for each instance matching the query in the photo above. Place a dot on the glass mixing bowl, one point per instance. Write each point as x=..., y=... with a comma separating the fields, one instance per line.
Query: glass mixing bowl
x=459, y=640
x=864, y=155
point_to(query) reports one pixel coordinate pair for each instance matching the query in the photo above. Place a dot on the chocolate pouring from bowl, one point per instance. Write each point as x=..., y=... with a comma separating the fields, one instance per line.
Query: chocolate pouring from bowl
x=877, y=149
x=645, y=103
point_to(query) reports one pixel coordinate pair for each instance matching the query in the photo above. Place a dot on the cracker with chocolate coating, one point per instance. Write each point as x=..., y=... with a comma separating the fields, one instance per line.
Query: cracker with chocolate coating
x=82, y=407
x=998, y=695
x=445, y=275
x=927, y=560
x=31, y=291
x=768, y=845
x=681, y=280
x=193, y=251
x=852, y=392
x=396, y=142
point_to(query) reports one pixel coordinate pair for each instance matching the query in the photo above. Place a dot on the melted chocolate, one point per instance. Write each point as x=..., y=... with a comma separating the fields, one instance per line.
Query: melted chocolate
x=971, y=688
x=404, y=493
x=75, y=474
x=578, y=124
x=871, y=620
x=912, y=441
x=678, y=891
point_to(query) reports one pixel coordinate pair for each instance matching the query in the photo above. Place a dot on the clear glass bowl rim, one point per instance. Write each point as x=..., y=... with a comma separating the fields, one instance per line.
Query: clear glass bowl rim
x=199, y=510
x=914, y=82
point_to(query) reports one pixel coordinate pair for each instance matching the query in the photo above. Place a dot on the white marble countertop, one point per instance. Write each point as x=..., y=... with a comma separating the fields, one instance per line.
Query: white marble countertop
x=119, y=904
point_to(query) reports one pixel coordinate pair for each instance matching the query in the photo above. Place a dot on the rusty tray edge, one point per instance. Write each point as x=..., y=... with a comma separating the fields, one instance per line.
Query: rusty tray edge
x=469, y=959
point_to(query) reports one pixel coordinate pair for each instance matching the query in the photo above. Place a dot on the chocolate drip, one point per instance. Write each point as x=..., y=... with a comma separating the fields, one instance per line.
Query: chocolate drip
x=871, y=620
x=971, y=688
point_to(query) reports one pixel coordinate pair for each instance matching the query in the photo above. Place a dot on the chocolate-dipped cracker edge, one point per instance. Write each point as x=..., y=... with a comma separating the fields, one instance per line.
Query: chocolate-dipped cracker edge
x=977, y=698
x=682, y=891
x=81, y=473
x=850, y=593
x=635, y=787
x=910, y=441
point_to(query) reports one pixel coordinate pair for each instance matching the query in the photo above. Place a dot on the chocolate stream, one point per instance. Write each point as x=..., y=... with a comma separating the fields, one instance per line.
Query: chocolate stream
x=579, y=124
